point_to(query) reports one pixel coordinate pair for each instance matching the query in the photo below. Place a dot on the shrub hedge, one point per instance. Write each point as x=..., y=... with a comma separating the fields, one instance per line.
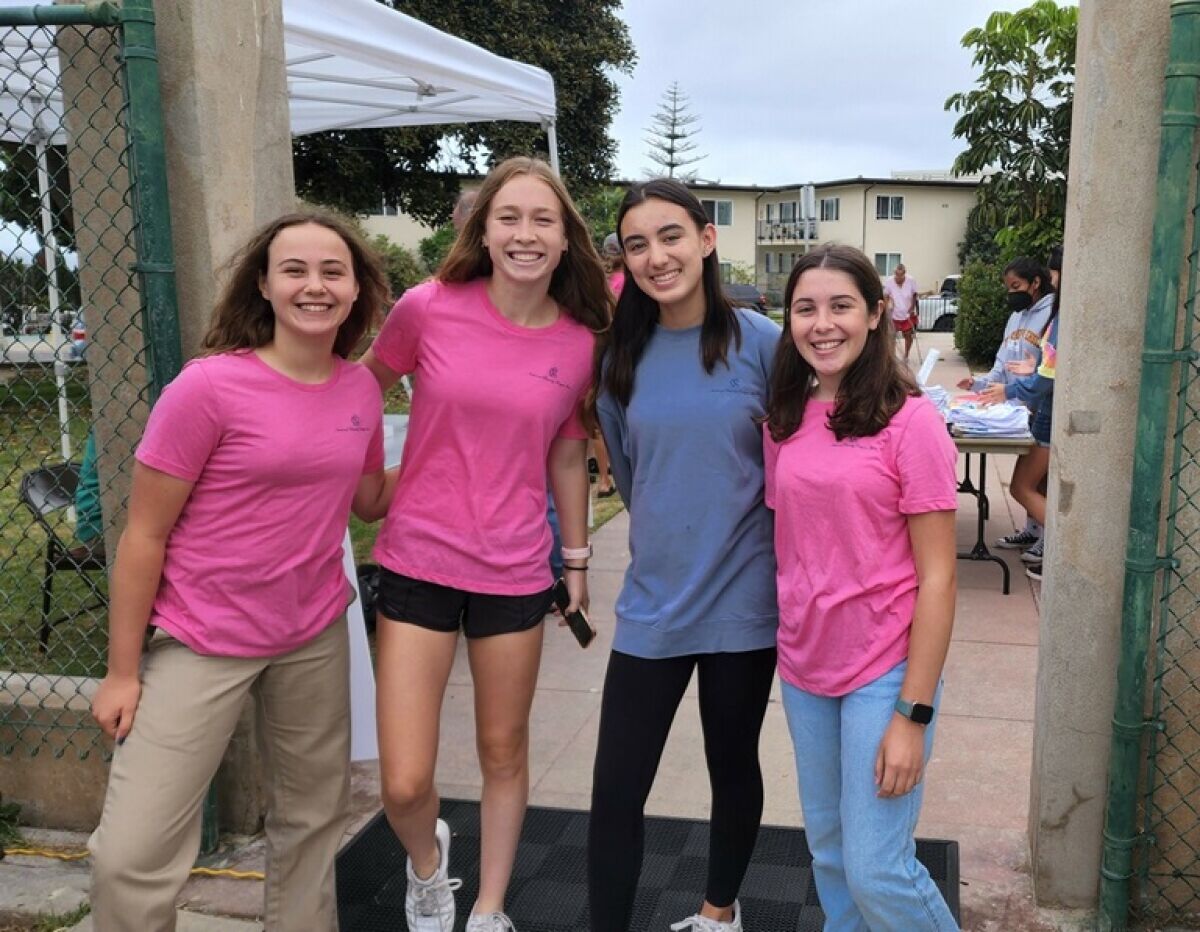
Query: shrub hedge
x=982, y=313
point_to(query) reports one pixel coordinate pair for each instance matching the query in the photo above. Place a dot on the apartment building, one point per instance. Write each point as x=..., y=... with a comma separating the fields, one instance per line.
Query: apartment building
x=915, y=220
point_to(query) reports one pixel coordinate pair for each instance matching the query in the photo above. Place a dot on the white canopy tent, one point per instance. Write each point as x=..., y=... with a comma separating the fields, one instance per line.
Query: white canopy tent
x=354, y=64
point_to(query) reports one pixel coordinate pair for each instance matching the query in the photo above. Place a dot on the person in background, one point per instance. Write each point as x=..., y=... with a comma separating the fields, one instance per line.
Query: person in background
x=1030, y=297
x=1033, y=385
x=684, y=379
x=463, y=205
x=901, y=293
x=502, y=342
x=861, y=474
x=231, y=560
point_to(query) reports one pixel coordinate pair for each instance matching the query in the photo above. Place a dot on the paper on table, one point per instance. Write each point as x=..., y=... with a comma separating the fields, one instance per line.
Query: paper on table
x=926, y=370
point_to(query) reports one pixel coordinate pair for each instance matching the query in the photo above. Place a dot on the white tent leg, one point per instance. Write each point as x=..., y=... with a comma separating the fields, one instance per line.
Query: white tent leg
x=552, y=143
x=50, y=257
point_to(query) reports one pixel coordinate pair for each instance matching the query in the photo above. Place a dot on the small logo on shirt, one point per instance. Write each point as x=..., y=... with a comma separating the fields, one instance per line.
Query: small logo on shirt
x=356, y=425
x=551, y=376
x=735, y=387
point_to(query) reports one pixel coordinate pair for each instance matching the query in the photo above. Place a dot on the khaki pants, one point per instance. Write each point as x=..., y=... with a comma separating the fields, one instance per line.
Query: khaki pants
x=149, y=833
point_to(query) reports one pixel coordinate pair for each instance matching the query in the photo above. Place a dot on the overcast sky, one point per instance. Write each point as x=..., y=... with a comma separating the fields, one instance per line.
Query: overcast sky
x=791, y=91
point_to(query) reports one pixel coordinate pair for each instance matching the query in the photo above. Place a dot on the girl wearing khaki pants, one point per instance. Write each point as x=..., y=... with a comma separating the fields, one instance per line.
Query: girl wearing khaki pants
x=232, y=556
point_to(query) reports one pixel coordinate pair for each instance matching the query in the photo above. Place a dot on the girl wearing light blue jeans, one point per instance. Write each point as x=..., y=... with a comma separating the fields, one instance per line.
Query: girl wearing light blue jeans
x=861, y=473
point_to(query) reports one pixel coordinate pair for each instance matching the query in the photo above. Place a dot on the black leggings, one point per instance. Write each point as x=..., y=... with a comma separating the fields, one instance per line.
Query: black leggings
x=640, y=699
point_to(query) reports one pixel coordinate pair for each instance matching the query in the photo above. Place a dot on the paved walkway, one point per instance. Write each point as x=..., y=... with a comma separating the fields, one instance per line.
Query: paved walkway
x=977, y=785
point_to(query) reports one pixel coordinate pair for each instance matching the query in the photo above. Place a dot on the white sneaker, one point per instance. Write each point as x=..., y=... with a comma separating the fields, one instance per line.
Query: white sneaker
x=490, y=922
x=429, y=904
x=698, y=923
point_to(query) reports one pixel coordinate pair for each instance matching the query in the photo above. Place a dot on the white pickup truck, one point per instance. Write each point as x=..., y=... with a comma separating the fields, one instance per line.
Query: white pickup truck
x=937, y=312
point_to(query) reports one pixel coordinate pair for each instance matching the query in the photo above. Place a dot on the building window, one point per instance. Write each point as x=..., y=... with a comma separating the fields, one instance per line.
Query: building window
x=779, y=257
x=726, y=272
x=768, y=260
x=719, y=212
x=886, y=262
x=770, y=213
x=831, y=208
x=889, y=208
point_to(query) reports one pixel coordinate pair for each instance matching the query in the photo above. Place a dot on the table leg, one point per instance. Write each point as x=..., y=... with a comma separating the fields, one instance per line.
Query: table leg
x=980, y=551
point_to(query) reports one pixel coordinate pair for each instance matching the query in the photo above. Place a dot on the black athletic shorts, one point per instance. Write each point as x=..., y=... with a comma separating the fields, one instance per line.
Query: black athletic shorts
x=444, y=608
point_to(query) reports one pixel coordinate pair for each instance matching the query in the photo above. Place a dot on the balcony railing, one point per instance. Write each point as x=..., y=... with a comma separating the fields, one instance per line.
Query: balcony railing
x=787, y=231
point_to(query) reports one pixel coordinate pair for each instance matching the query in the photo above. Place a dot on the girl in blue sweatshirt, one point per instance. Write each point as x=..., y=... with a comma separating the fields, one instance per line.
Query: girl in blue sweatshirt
x=683, y=382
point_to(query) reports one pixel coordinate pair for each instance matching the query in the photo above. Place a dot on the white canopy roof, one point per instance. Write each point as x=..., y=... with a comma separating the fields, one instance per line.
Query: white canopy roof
x=353, y=64
x=358, y=64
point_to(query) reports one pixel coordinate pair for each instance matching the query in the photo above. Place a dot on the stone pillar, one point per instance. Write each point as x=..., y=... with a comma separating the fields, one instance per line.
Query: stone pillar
x=1110, y=206
x=229, y=147
x=229, y=171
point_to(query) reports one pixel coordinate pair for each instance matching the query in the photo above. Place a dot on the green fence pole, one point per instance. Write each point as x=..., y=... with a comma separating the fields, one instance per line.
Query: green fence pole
x=89, y=14
x=1142, y=562
x=156, y=257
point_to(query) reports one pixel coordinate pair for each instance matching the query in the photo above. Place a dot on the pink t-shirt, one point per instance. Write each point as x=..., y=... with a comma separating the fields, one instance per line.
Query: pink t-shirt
x=847, y=582
x=253, y=566
x=616, y=281
x=904, y=297
x=490, y=397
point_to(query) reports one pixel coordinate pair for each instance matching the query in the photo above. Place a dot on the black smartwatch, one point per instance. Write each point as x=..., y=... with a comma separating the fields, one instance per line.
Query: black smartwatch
x=915, y=711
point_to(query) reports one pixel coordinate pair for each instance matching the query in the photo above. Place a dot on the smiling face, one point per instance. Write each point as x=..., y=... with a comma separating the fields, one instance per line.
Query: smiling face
x=524, y=232
x=664, y=252
x=309, y=282
x=830, y=322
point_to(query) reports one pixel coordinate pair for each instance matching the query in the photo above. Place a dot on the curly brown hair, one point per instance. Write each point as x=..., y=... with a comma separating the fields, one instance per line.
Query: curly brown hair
x=243, y=318
x=876, y=384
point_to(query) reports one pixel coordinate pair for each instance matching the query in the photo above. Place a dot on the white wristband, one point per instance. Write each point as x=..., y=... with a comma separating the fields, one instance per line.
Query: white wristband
x=577, y=553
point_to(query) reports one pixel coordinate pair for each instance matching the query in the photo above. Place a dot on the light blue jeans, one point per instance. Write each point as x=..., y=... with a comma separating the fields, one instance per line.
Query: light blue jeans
x=864, y=857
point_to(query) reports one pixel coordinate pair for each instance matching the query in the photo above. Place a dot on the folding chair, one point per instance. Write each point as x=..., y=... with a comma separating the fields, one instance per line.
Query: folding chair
x=45, y=491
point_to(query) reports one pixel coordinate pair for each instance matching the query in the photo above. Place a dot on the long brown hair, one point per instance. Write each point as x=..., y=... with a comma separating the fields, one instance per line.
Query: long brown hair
x=578, y=283
x=636, y=316
x=875, y=386
x=243, y=319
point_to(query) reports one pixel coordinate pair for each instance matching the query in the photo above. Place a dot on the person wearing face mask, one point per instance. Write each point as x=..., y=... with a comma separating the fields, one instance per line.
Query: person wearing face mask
x=1031, y=301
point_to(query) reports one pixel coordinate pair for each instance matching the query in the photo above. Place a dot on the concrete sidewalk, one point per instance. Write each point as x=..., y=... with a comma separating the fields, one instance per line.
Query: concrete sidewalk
x=977, y=784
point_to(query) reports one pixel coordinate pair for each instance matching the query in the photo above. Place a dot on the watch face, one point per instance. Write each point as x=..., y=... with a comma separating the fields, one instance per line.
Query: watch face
x=922, y=714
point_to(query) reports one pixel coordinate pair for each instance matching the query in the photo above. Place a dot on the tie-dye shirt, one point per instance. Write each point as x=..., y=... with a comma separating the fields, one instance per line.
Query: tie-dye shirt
x=1037, y=390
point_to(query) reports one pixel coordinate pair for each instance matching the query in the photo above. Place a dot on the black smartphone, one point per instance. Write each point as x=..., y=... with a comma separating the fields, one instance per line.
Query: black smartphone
x=577, y=621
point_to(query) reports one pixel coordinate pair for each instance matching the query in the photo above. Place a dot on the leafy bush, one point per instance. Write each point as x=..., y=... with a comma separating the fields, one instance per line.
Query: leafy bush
x=403, y=269
x=982, y=313
x=436, y=247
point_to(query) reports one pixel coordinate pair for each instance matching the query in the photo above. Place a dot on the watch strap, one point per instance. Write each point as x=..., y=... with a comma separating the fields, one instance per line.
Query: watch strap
x=915, y=711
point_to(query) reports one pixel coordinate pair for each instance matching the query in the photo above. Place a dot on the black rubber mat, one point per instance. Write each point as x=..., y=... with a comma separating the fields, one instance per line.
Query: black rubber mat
x=548, y=892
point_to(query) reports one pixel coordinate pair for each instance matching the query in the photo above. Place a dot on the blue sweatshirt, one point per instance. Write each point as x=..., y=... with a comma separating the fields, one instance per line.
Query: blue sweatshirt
x=1022, y=334
x=687, y=459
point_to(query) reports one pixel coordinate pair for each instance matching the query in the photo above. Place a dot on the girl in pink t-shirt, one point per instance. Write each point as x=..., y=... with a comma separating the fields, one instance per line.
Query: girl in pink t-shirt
x=243, y=483
x=860, y=472
x=501, y=342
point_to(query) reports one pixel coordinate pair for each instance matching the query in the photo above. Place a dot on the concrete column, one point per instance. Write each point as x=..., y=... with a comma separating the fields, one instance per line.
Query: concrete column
x=229, y=148
x=1110, y=205
x=229, y=171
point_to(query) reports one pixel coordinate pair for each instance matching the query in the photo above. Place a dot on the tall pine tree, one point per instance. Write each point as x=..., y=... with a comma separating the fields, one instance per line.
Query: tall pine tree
x=672, y=127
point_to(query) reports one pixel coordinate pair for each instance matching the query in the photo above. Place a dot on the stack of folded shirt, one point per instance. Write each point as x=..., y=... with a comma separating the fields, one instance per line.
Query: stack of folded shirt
x=939, y=396
x=999, y=420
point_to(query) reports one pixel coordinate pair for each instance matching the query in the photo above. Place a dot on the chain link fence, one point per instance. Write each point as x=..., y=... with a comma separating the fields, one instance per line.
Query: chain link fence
x=1170, y=865
x=77, y=370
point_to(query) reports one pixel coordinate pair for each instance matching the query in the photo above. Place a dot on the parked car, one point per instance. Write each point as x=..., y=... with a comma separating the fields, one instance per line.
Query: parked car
x=746, y=296
x=937, y=312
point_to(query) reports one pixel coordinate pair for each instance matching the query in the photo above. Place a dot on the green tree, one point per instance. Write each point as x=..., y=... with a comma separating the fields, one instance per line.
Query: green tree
x=672, y=129
x=579, y=44
x=599, y=208
x=1016, y=123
